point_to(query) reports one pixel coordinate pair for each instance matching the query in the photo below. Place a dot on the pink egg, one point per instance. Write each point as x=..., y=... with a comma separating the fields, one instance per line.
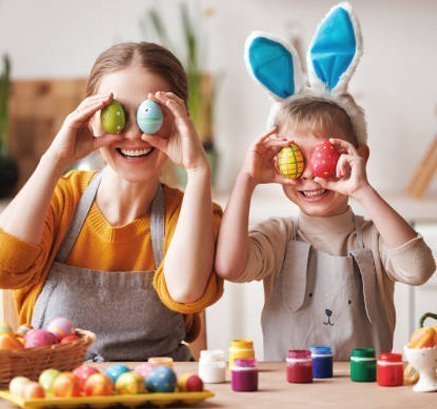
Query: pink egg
x=38, y=338
x=144, y=369
x=83, y=372
x=61, y=327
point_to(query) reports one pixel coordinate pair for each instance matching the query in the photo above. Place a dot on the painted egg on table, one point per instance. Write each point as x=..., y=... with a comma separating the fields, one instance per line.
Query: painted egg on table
x=150, y=117
x=61, y=328
x=112, y=117
x=144, y=369
x=98, y=384
x=113, y=372
x=161, y=379
x=39, y=338
x=130, y=383
x=190, y=382
x=17, y=385
x=324, y=158
x=291, y=162
x=33, y=390
x=83, y=372
x=47, y=377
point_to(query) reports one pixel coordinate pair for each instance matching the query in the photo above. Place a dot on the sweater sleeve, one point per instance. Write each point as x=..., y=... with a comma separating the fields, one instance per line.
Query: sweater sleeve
x=411, y=263
x=267, y=246
x=214, y=287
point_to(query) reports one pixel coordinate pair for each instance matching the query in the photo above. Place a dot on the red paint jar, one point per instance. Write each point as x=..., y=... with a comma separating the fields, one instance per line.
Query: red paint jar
x=390, y=369
x=299, y=366
x=244, y=375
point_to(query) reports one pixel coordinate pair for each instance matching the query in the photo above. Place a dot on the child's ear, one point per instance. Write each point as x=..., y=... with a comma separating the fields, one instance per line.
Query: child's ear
x=364, y=152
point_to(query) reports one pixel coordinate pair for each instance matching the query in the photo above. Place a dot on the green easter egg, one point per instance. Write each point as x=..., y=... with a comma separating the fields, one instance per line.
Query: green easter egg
x=112, y=117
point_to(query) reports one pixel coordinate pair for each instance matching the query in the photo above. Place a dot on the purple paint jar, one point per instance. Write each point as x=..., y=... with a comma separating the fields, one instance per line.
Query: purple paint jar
x=244, y=375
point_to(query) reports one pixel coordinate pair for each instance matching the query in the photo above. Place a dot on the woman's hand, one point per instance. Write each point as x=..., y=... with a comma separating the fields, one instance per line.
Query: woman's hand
x=75, y=139
x=177, y=138
x=351, y=177
x=260, y=164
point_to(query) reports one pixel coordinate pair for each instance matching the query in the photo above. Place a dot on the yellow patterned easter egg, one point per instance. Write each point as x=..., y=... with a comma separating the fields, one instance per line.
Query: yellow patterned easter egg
x=291, y=162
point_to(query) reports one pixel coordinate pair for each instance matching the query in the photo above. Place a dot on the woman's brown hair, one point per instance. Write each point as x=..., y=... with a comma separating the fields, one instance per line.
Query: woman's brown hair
x=152, y=57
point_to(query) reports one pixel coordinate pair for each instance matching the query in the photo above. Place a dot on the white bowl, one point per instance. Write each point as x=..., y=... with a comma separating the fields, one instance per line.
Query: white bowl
x=424, y=361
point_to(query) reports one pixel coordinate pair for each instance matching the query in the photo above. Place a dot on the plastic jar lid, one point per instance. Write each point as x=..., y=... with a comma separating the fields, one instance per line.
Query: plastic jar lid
x=299, y=355
x=244, y=363
x=363, y=354
x=320, y=350
x=390, y=357
x=212, y=355
x=241, y=344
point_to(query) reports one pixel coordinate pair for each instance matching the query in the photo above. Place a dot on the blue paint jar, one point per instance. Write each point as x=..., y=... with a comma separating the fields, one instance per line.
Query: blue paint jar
x=322, y=361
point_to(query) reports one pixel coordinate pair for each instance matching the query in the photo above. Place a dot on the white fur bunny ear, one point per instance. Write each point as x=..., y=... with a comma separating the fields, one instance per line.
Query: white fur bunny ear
x=274, y=64
x=335, y=50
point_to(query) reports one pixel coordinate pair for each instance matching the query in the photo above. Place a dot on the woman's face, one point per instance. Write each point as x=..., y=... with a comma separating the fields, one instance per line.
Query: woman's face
x=132, y=158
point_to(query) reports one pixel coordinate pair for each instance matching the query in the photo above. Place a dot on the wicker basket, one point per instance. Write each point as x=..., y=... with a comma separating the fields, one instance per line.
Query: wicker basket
x=32, y=361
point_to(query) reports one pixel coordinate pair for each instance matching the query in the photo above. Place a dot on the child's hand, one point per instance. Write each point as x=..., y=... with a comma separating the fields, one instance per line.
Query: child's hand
x=75, y=139
x=351, y=175
x=260, y=164
x=177, y=138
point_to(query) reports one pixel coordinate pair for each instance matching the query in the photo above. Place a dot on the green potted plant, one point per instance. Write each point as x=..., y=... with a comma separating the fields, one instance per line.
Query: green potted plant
x=8, y=167
x=201, y=85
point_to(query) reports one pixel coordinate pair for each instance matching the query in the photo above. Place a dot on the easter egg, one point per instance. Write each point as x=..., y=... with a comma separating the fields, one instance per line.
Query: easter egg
x=83, y=372
x=70, y=338
x=23, y=330
x=114, y=371
x=98, y=384
x=39, y=338
x=291, y=162
x=144, y=369
x=161, y=379
x=112, y=117
x=33, y=390
x=66, y=385
x=9, y=341
x=17, y=385
x=190, y=382
x=5, y=328
x=47, y=377
x=323, y=161
x=61, y=328
x=149, y=117
x=130, y=383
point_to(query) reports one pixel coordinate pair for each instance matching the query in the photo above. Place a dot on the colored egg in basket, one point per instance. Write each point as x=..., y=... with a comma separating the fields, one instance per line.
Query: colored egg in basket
x=39, y=338
x=291, y=162
x=61, y=328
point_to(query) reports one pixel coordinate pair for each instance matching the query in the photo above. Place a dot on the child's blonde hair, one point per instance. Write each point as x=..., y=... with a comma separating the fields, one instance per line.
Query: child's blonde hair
x=318, y=114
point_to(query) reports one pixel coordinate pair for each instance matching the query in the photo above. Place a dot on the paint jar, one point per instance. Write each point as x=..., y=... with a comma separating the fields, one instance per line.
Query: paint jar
x=161, y=361
x=244, y=375
x=322, y=361
x=390, y=369
x=299, y=366
x=240, y=348
x=212, y=366
x=363, y=365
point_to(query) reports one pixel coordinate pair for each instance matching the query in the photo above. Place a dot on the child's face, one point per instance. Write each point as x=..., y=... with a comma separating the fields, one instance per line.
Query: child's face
x=132, y=158
x=311, y=198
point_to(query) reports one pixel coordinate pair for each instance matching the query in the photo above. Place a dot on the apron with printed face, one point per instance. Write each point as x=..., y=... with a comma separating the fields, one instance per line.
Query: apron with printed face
x=121, y=307
x=320, y=299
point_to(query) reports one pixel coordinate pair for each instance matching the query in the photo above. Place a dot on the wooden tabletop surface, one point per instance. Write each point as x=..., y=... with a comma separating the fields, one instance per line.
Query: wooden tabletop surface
x=275, y=393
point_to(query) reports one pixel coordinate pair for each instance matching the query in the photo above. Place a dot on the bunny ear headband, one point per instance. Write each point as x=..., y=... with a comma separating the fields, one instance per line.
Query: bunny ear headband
x=333, y=55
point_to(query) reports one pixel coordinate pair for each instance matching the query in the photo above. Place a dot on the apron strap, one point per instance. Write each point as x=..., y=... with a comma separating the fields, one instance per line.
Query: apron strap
x=358, y=232
x=157, y=221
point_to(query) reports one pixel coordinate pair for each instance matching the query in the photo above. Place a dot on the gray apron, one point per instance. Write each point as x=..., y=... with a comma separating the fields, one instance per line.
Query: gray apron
x=320, y=299
x=121, y=307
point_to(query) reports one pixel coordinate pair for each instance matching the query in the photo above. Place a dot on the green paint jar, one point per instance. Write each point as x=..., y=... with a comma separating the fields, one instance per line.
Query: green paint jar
x=363, y=365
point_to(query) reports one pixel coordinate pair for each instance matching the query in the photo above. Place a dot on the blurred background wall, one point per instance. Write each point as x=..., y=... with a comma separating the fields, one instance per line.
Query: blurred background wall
x=395, y=81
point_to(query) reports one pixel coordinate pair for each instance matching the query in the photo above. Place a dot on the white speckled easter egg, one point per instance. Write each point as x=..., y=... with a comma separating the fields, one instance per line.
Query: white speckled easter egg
x=150, y=117
x=112, y=117
x=291, y=162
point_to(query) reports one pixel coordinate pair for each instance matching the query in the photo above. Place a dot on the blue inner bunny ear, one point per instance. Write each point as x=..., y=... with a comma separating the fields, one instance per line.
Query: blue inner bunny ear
x=334, y=47
x=272, y=65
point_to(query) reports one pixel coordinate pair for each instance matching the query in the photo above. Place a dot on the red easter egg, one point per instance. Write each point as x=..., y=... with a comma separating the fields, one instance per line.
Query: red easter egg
x=98, y=384
x=66, y=385
x=83, y=372
x=70, y=338
x=38, y=338
x=323, y=161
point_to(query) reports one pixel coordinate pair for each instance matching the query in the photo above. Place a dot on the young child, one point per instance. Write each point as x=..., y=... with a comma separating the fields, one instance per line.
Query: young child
x=328, y=275
x=116, y=252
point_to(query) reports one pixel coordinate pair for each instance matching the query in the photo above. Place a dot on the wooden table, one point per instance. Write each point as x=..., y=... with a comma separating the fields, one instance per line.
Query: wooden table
x=275, y=393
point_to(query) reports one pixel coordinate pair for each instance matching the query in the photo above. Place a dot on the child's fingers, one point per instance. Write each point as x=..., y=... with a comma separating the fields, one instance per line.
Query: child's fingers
x=106, y=140
x=342, y=168
x=155, y=140
x=284, y=180
x=85, y=111
x=349, y=147
x=171, y=95
x=266, y=136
